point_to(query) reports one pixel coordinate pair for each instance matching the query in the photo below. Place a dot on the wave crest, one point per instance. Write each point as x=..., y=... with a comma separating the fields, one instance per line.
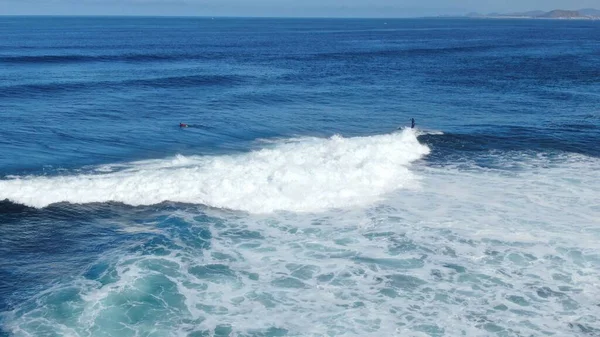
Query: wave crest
x=312, y=174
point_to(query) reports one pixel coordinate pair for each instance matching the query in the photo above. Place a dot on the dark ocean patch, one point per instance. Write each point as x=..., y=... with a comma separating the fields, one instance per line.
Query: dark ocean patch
x=507, y=139
x=26, y=90
x=81, y=58
x=8, y=207
x=518, y=73
x=406, y=52
x=187, y=81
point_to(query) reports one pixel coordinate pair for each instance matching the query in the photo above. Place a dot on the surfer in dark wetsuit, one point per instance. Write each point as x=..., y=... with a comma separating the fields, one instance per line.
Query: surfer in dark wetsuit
x=183, y=125
x=412, y=123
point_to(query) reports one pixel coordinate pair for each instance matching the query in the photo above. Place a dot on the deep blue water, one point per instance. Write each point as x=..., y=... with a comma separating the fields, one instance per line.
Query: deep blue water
x=292, y=205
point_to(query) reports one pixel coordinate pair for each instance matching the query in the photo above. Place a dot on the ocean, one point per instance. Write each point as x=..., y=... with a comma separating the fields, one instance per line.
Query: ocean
x=298, y=201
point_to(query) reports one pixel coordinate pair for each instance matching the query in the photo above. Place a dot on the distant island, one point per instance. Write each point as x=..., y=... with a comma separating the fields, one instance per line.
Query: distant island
x=582, y=14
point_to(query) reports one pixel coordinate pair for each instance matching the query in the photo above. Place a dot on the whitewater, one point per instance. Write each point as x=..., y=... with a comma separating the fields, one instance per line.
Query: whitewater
x=294, y=206
x=364, y=240
x=306, y=174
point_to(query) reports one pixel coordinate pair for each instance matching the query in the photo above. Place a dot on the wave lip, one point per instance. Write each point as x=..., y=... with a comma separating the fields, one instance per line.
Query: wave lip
x=311, y=174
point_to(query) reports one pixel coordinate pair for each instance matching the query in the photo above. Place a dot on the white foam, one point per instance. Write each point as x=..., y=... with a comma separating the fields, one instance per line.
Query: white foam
x=544, y=198
x=420, y=132
x=481, y=246
x=310, y=174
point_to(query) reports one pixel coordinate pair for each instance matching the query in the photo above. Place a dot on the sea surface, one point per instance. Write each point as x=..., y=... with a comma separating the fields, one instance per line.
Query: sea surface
x=298, y=202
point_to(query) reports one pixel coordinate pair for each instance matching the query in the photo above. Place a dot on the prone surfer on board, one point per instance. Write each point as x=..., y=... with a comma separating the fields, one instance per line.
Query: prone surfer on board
x=183, y=125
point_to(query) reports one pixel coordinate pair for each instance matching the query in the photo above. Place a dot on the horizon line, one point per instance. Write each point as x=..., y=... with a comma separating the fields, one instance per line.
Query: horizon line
x=441, y=16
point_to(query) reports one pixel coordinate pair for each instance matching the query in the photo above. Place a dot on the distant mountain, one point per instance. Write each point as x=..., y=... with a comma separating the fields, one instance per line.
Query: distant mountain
x=560, y=14
x=587, y=13
x=475, y=15
x=528, y=14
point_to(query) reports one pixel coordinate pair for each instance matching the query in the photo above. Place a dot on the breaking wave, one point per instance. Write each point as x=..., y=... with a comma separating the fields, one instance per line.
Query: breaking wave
x=306, y=175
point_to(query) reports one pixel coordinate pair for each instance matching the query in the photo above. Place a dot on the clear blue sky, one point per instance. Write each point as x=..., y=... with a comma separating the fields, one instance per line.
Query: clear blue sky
x=328, y=8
